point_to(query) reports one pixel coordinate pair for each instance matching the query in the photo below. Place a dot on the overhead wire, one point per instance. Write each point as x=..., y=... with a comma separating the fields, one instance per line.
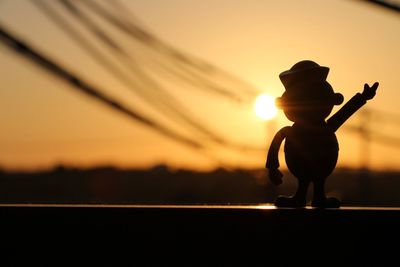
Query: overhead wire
x=170, y=102
x=152, y=42
x=197, y=69
x=52, y=67
x=164, y=106
x=74, y=9
x=389, y=5
x=44, y=62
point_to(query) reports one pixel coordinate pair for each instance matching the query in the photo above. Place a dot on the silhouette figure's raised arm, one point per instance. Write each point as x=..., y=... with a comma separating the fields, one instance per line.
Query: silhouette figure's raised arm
x=352, y=106
x=346, y=111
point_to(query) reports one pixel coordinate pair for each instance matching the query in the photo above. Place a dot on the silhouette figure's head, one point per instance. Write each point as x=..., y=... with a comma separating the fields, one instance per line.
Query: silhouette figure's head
x=308, y=96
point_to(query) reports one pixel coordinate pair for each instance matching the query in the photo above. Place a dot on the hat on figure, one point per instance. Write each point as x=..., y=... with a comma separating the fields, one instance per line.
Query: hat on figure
x=303, y=73
x=306, y=80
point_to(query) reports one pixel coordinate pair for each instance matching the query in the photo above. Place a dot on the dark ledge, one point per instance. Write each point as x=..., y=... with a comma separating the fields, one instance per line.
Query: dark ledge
x=235, y=228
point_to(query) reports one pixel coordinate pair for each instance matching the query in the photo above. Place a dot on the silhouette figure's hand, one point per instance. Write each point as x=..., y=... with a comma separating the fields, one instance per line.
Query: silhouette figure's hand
x=275, y=176
x=369, y=92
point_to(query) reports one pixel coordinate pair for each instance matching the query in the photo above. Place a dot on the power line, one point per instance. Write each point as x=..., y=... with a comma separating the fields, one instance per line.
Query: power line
x=149, y=41
x=179, y=109
x=167, y=106
x=52, y=67
x=390, y=5
x=82, y=86
x=195, y=68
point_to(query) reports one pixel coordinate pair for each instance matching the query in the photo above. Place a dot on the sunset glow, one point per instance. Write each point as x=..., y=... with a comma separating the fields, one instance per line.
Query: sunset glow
x=264, y=107
x=184, y=72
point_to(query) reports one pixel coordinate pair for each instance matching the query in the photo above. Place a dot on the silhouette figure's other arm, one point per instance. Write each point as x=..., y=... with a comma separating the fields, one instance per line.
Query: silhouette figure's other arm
x=272, y=159
x=352, y=106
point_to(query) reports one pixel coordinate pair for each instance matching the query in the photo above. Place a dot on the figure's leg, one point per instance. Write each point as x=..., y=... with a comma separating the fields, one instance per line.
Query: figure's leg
x=319, y=198
x=298, y=200
x=302, y=189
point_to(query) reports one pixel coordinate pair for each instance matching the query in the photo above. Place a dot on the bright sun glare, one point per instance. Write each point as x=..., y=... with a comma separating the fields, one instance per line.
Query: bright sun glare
x=264, y=107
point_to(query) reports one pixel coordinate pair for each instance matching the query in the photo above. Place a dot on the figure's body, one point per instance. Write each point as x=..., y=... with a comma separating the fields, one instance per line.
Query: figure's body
x=311, y=147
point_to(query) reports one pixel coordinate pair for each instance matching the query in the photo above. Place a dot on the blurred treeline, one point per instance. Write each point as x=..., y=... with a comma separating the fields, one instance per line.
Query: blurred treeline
x=161, y=185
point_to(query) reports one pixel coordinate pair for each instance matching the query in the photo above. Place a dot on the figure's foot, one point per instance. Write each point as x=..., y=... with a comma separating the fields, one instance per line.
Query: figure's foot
x=290, y=202
x=329, y=202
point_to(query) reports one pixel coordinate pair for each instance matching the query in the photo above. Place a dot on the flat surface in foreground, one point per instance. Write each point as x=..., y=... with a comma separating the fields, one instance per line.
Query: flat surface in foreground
x=203, y=230
x=205, y=206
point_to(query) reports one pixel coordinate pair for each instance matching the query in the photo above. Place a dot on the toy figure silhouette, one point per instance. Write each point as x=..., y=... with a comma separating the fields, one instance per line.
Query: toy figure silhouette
x=311, y=147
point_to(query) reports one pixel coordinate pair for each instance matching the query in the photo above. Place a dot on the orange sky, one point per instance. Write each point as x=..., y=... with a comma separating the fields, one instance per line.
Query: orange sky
x=44, y=122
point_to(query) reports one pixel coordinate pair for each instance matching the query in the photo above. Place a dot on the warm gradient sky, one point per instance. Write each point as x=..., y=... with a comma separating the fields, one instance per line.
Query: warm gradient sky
x=44, y=123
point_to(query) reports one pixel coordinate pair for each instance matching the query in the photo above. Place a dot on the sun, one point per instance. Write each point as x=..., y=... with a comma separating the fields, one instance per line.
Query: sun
x=264, y=106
